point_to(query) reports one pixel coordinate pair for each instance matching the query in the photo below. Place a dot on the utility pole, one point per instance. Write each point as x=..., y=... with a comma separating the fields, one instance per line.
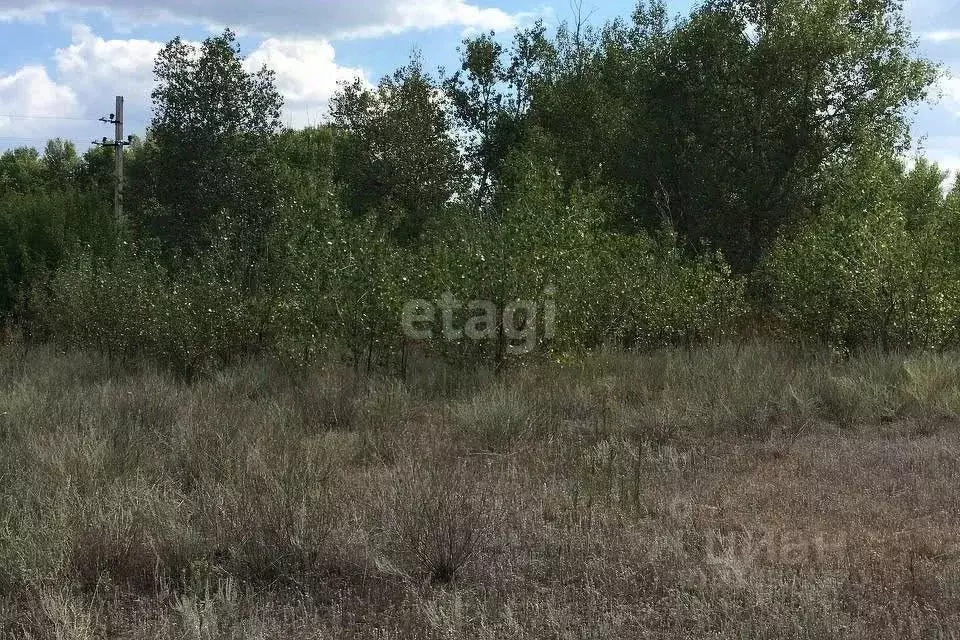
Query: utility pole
x=118, y=133
x=118, y=143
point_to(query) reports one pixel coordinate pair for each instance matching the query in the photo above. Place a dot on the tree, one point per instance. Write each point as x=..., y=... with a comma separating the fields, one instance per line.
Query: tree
x=97, y=170
x=727, y=122
x=878, y=267
x=921, y=195
x=477, y=101
x=307, y=159
x=397, y=155
x=20, y=171
x=208, y=152
x=489, y=97
x=60, y=163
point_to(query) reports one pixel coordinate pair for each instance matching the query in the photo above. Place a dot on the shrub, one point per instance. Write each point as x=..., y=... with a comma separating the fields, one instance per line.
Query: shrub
x=134, y=307
x=648, y=293
x=37, y=230
x=870, y=270
x=325, y=282
x=437, y=521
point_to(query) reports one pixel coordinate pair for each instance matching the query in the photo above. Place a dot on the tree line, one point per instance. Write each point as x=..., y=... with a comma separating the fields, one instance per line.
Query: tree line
x=669, y=180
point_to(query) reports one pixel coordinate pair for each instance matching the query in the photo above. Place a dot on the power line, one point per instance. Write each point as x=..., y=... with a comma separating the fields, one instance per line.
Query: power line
x=17, y=116
x=11, y=116
x=75, y=141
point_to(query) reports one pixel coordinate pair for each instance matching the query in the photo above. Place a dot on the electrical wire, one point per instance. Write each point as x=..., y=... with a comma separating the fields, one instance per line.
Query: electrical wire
x=37, y=138
x=17, y=116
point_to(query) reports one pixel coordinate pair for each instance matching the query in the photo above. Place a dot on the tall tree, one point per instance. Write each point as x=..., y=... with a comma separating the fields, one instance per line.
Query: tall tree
x=477, y=99
x=490, y=95
x=208, y=151
x=397, y=153
x=726, y=122
x=20, y=171
x=60, y=163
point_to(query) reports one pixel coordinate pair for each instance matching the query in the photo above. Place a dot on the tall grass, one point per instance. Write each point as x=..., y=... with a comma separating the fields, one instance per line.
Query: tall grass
x=732, y=491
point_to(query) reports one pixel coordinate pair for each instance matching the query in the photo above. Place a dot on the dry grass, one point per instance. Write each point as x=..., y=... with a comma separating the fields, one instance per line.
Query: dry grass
x=730, y=492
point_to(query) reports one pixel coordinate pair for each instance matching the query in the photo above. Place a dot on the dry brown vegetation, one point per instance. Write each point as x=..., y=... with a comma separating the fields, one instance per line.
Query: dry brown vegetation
x=730, y=492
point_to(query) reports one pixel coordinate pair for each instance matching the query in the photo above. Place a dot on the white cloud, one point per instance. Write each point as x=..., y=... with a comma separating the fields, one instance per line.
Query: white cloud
x=96, y=67
x=942, y=36
x=303, y=18
x=307, y=75
x=23, y=13
x=30, y=90
x=85, y=76
x=428, y=14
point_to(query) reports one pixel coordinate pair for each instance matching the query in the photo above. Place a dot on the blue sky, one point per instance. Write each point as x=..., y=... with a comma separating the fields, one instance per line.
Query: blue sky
x=62, y=61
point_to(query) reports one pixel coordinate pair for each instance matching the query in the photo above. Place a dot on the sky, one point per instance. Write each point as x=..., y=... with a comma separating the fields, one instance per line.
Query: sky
x=63, y=61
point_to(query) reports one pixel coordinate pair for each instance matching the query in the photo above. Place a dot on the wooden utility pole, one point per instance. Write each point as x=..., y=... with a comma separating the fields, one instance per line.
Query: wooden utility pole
x=116, y=119
x=118, y=187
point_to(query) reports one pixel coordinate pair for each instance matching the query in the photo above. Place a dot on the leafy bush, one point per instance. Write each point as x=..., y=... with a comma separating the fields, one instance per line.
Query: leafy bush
x=327, y=282
x=133, y=306
x=550, y=248
x=647, y=293
x=875, y=269
x=36, y=232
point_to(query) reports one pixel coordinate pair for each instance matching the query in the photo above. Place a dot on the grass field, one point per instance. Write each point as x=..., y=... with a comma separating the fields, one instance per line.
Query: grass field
x=730, y=492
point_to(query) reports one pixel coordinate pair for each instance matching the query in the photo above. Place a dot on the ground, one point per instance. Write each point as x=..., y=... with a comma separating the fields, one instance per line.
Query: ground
x=733, y=491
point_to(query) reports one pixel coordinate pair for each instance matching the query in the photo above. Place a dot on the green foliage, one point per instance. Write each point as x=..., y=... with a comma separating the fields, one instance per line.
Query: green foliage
x=60, y=163
x=397, y=156
x=37, y=230
x=877, y=268
x=547, y=252
x=21, y=171
x=344, y=289
x=612, y=185
x=307, y=159
x=44, y=215
x=133, y=307
x=210, y=145
x=490, y=96
x=648, y=294
x=726, y=121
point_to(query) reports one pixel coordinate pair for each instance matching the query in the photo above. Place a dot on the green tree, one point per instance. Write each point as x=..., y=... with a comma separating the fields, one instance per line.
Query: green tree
x=308, y=164
x=20, y=171
x=726, y=122
x=96, y=169
x=490, y=95
x=44, y=216
x=877, y=268
x=209, y=148
x=921, y=195
x=39, y=230
x=60, y=163
x=397, y=156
